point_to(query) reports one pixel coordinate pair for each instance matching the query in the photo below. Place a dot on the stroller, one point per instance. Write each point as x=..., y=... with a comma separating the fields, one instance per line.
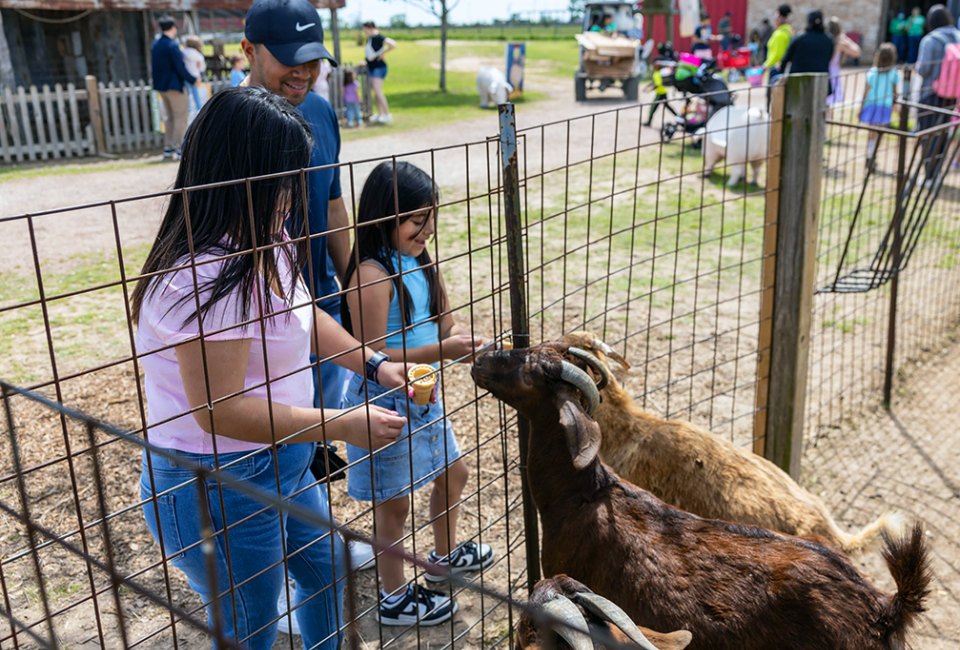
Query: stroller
x=736, y=60
x=704, y=93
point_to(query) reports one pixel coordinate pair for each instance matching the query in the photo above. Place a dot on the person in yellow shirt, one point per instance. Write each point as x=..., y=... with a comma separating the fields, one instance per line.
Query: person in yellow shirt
x=779, y=41
x=660, y=92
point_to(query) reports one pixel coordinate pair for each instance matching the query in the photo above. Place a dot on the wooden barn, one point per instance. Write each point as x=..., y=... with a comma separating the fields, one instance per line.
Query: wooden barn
x=63, y=41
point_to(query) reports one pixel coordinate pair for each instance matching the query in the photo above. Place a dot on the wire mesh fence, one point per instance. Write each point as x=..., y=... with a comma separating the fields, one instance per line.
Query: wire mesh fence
x=633, y=238
x=615, y=228
x=885, y=264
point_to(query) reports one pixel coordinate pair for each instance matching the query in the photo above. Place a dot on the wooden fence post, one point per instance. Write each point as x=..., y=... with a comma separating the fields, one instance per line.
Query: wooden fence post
x=790, y=247
x=96, y=119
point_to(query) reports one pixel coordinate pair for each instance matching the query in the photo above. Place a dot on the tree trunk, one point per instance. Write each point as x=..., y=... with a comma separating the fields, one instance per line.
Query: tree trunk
x=443, y=46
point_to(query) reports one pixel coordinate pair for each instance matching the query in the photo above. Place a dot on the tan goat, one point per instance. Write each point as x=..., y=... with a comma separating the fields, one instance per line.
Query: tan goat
x=703, y=473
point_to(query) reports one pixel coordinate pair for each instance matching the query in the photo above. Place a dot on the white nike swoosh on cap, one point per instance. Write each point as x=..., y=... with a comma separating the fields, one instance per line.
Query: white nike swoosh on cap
x=303, y=27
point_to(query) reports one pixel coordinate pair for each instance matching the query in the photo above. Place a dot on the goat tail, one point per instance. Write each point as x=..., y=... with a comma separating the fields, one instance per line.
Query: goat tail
x=868, y=537
x=909, y=564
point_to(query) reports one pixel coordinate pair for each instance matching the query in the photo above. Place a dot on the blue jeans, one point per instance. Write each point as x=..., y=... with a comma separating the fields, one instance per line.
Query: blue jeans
x=247, y=587
x=353, y=114
x=913, y=48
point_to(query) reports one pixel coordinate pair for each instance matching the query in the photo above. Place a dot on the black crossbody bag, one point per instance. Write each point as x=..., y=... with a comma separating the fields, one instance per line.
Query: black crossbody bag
x=327, y=464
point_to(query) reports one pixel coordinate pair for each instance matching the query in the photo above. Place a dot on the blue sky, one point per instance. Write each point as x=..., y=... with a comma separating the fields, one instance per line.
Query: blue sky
x=467, y=11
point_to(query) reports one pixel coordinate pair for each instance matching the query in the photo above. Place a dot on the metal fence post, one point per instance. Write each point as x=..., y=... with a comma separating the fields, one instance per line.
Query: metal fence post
x=904, y=127
x=519, y=318
x=790, y=247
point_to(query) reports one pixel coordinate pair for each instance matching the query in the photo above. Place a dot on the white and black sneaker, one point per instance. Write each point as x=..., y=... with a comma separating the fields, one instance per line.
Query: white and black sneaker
x=416, y=606
x=468, y=556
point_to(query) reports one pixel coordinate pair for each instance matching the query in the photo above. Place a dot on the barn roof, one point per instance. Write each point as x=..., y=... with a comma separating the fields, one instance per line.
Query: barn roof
x=125, y=5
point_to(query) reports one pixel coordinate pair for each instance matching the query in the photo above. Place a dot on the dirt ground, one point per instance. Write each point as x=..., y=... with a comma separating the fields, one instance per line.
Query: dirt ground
x=904, y=460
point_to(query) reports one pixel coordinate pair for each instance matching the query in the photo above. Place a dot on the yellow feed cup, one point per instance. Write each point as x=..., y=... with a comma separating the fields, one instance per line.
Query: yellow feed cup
x=422, y=382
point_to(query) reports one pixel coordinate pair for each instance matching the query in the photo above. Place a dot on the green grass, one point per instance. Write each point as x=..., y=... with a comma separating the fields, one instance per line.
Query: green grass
x=86, y=329
x=412, y=86
x=481, y=32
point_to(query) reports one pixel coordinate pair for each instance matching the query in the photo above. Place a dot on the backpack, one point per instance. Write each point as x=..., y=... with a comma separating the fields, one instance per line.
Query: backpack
x=947, y=84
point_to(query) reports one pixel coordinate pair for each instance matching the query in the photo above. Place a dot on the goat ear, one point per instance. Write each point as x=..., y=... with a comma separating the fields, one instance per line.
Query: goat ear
x=582, y=434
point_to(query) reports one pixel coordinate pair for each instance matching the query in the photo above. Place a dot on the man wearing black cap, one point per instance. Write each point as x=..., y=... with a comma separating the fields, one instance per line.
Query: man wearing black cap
x=283, y=43
x=169, y=77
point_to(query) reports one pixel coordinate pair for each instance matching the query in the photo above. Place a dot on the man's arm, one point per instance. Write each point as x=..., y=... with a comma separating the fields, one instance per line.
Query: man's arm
x=338, y=241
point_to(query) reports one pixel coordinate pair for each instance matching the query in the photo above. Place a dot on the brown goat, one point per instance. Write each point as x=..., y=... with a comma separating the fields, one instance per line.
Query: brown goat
x=734, y=587
x=573, y=603
x=703, y=473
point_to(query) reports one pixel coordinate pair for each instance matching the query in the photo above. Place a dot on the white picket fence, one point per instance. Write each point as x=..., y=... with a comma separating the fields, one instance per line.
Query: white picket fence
x=62, y=122
x=44, y=123
x=128, y=116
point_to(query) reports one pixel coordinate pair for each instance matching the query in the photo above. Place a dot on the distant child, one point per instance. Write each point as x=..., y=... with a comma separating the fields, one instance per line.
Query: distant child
x=196, y=65
x=882, y=86
x=351, y=99
x=238, y=71
x=412, y=312
x=660, y=92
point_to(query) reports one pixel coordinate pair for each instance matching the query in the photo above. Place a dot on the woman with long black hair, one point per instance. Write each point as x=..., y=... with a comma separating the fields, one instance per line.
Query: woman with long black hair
x=225, y=326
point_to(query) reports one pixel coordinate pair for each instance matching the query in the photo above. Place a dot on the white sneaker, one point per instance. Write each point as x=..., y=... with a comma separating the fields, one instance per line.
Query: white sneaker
x=361, y=555
x=386, y=119
x=287, y=623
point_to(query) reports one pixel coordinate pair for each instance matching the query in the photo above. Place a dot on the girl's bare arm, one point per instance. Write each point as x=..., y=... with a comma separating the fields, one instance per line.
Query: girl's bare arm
x=217, y=369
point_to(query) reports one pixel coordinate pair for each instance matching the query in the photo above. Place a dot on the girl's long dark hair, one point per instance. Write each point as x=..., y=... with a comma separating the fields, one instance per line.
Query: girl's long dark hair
x=240, y=133
x=392, y=191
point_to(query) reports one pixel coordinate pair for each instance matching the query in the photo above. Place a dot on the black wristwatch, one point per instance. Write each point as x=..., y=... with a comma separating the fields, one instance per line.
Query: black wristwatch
x=373, y=364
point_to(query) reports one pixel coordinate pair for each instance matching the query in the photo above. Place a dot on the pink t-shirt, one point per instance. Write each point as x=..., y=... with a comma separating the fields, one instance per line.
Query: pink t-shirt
x=285, y=337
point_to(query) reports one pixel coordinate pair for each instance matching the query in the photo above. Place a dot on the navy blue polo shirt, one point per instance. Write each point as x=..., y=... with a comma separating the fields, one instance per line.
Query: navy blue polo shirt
x=324, y=186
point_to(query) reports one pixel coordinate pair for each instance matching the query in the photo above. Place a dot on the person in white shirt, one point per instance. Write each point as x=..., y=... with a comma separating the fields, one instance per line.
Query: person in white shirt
x=196, y=63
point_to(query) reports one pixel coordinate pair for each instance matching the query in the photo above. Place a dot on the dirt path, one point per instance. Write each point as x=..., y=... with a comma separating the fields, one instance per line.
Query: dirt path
x=91, y=229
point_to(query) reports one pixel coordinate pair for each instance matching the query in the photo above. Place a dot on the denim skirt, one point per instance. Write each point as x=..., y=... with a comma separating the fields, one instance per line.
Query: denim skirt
x=421, y=453
x=875, y=114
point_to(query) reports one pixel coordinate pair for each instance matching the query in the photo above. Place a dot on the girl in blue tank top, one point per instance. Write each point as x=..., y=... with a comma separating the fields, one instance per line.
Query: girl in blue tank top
x=396, y=302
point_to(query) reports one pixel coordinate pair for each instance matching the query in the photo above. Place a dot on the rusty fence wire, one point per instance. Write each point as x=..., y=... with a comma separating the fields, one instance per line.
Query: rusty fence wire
x=632, y=237
x=69, y=309
x=887, y=254
x=626, y=231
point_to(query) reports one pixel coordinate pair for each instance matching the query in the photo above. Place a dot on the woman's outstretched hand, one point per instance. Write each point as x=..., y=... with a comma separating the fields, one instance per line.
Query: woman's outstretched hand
x=384, y=426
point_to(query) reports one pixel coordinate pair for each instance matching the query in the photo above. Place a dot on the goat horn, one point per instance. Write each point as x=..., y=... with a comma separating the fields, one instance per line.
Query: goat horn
x=581, y=380
x=594, y=362
x=608, y=611
x=610, y=352
x=573, y=631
